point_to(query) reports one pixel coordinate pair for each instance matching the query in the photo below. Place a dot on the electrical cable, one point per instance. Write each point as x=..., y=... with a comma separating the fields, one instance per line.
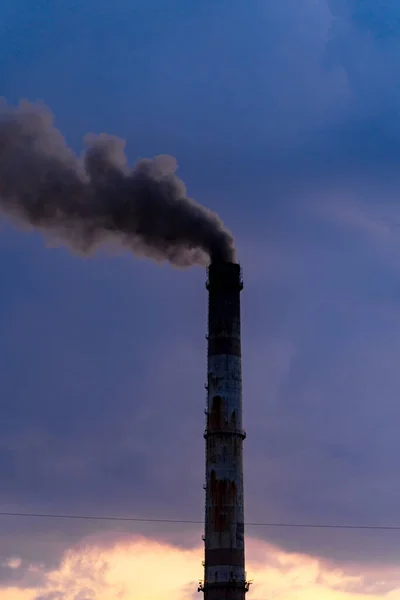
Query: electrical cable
x=193, y=522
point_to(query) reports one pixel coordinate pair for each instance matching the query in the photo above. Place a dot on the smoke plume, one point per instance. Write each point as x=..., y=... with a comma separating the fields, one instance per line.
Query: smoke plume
x=96, y=198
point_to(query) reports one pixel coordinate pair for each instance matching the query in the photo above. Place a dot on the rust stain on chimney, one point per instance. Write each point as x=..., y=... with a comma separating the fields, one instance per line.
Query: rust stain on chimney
x=223, y=494
x=216, y=416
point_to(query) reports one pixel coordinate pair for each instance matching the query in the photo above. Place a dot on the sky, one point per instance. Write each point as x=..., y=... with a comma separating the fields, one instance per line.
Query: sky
x=284, y=119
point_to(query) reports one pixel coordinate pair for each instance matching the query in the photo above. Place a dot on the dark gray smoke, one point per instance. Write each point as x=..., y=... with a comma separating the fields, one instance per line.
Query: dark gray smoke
x=98, y=198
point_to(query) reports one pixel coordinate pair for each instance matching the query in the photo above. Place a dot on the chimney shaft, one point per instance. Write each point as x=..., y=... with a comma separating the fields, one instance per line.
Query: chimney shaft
x=224, y=565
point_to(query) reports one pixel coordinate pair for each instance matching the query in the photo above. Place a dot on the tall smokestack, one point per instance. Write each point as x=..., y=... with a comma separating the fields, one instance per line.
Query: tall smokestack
x=224, y=565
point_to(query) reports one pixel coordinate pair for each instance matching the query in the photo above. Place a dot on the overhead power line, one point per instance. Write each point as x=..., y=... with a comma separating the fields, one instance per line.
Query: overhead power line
x=193, y=522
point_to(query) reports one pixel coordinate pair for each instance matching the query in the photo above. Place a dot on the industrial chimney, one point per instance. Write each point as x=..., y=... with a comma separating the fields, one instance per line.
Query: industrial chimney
x=224, y=565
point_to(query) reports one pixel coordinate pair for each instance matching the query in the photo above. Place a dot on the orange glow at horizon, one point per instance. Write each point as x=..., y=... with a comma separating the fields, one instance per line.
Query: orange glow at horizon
x=149, y=570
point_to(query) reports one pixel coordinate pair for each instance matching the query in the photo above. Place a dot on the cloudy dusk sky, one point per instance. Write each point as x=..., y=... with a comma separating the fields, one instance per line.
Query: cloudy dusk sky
x=284, y=117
